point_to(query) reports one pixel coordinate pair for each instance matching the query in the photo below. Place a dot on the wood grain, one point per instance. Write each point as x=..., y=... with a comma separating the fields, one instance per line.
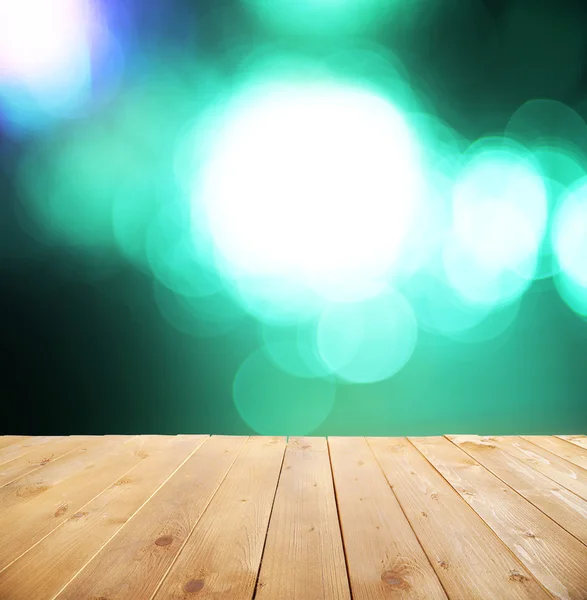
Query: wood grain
x=561, y=505
x=44, y=509
x=40, y=481
x=578, y=440
x=563, y=449
x=41, y=572
x=470, y=560
x=237, y=518
x=21, y=447
x=133, y=563
x=9, y=440
x=228, y=570
x=39, y=457
x=555, y=468
x=556, y=558
x=385, y=559
x=304, y=556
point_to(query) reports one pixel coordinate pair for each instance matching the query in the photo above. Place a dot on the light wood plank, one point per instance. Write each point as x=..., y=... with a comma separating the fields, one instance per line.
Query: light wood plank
x=578, y=440
x=470, y=560
x=385, y=559
x=22, y=447
x=44, y=570
x=222, y=556
x=9, y=440
x=28, y=522
x=40, y=481
x=133, y=563
x=40, y=457
x=558, y=469
x=571, y=452
x=551, y=554
x=561, y=505
x=304, y=557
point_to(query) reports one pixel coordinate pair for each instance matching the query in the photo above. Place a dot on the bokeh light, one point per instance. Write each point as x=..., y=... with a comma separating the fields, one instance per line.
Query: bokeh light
x=547, y=265
x=440, y=308
x=293, y=349
x=500, y=212
x=102, y=183
x=368, y=341
x=198, y=316
x=544, y=122
x=570, y=245
x=497, y=324
x=272, y=401
x=309, y=183
x=69, y=194
x=58, y=31
x=54, y=56
x=315, y=183
x=572, y=293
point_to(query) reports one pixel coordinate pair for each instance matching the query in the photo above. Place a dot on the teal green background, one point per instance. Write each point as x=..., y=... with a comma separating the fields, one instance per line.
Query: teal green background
x=99, y=359
x=84, y=348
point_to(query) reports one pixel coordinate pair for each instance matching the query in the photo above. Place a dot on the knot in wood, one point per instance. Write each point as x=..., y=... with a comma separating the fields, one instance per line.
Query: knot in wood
x=193, y=585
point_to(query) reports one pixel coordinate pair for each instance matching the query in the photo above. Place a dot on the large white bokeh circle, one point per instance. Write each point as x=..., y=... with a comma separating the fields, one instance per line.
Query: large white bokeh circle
x=311, y=181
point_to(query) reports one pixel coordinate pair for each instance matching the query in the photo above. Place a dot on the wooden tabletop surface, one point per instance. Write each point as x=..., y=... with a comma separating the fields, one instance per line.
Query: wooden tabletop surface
x=214, y=517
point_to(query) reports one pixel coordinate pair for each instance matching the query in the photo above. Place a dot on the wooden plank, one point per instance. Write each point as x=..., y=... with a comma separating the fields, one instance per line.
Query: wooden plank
x=571, y=452
x=558, y=469
x=22, y=447
x=385, y=559
x=9, y=440
x=578, y=440
x=561, y=505
x=44, y=570
x=304, y=557
x=41, y=481
x=30, y=521
x=556, y=558
x=221, y=558
x=133, y=563
x=470, y=560
x=39, y=457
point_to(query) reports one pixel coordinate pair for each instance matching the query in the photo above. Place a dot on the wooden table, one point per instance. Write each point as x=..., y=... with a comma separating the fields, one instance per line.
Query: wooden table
x=194, y=516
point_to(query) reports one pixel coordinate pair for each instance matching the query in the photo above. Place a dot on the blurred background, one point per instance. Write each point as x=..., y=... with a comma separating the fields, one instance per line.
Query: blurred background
x=292, y=217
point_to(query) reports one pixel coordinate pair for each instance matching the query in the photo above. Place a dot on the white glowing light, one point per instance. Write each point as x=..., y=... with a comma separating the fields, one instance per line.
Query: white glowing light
x=38, y=38
x=45, y=57
x=315, y=183
x=500, y=212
